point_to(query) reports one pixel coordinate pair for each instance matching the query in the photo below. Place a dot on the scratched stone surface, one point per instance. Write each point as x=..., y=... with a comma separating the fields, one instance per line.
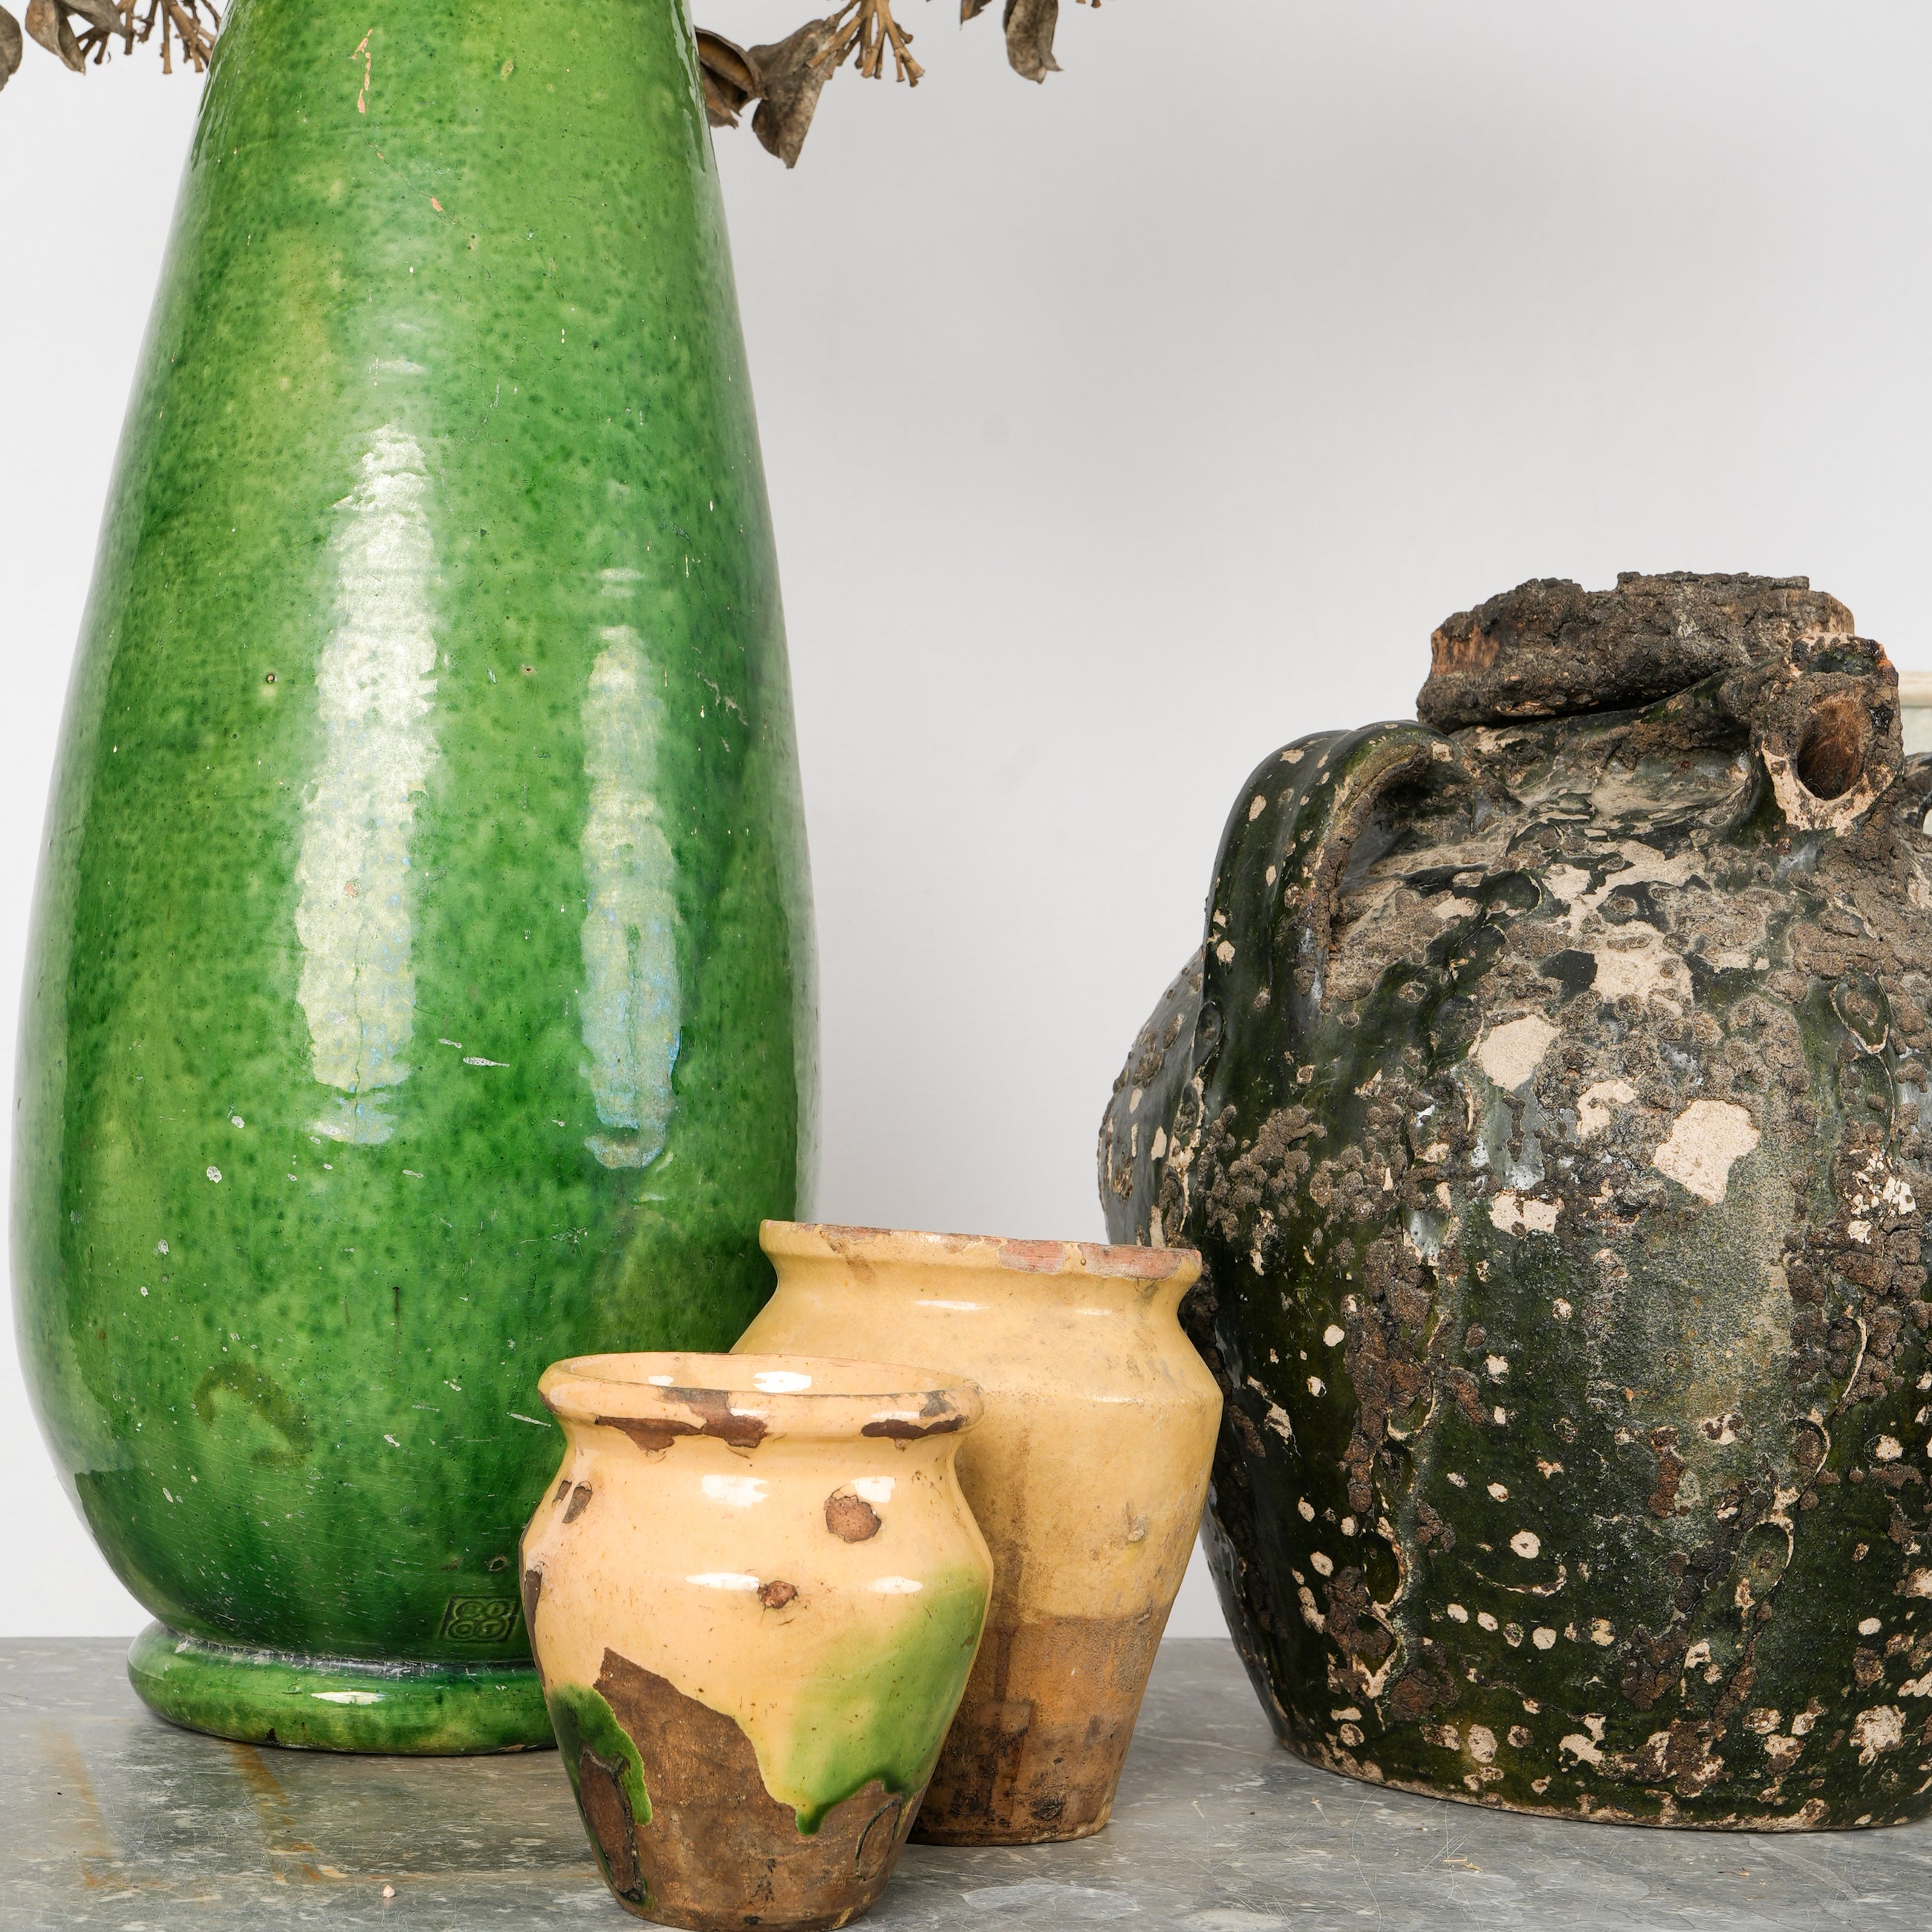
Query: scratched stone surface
x=110, y=1819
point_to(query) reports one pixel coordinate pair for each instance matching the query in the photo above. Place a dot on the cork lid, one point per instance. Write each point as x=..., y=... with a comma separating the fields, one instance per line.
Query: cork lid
x=1549, y=648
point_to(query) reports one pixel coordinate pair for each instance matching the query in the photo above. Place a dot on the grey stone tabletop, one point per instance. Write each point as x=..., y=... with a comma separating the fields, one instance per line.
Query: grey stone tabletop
x=113, y=1819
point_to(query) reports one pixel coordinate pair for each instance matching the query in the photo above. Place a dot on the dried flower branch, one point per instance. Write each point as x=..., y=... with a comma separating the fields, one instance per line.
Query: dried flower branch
x=52, y=23
x=785, y=78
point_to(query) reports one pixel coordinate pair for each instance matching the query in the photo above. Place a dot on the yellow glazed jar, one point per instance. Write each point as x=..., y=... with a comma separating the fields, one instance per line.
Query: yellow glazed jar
x=1087, y=1477
x=754, y=1592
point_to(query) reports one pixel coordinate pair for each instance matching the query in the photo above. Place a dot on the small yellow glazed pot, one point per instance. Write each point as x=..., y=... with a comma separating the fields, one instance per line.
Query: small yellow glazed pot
x=1087, y=1477
x=754, y=1592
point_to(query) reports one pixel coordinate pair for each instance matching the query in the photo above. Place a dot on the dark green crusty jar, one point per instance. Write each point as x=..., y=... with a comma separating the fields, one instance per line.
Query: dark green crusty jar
x=1545, y=1102
x=420, y=983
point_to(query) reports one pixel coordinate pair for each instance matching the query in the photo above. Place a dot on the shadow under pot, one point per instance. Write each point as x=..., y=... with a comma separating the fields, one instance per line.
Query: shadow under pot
x=754, y=1592
x=1087, y=1477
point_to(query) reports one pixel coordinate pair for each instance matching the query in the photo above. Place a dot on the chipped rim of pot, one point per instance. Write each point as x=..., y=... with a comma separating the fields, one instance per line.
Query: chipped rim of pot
x=827, y=1240
x=741, y=1400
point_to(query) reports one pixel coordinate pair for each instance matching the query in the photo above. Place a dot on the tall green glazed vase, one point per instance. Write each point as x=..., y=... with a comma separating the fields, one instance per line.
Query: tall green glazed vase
x=420, y=983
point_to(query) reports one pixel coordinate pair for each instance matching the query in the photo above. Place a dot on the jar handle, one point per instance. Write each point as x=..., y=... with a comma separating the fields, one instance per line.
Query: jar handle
x=1283, y=855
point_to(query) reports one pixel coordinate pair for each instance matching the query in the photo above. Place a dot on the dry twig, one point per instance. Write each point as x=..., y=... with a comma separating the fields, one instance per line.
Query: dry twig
x=785, y=78
x=74, y=30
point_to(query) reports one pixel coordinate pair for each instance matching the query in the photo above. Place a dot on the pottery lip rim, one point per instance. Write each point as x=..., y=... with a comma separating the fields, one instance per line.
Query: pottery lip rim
x=902, y=1404
x=831, y=1240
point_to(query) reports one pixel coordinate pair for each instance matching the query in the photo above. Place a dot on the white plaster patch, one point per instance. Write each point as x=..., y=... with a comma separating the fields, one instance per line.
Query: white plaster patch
x=1514, y=1215
x=1888, y=1449
x=1582, y=1749
x=1305, y=1510
x=1596, y=1105
x=1482, y=1743
x=1526, y=1544
x=1510, y=1054
x=1456, y=1612
x=1880, y=1728
x=1639, y=969
x=1869, y=1627
x=1704, y=1141
x=1919, y=1584
x=1331, y=1335
x=1324, y=1565
x=1879, y=1190
x=1500, y=1494
x=1256, y=806
x=1543, y=1637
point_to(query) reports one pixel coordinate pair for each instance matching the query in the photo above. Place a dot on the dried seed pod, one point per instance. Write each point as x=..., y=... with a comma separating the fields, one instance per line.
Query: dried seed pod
x=731, y=83
x=101, y=14
x=10, y=46
x=48, y=24
x=795, y=70
x=1029, y=25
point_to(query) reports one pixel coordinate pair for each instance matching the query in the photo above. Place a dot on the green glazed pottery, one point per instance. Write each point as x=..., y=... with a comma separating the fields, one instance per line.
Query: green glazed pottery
x=1546, y=1103
x=420, y=983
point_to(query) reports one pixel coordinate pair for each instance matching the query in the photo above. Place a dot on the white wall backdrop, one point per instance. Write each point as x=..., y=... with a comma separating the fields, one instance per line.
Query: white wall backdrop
x=1117, y=430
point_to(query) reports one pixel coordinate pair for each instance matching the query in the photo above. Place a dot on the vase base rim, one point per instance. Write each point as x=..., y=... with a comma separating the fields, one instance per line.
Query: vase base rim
x=414, y=1709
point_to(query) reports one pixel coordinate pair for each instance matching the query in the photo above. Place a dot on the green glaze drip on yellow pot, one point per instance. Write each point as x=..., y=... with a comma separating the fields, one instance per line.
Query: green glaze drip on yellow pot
x=587, y=1730
x=1086, y=1477
x=755, y=1592
x=420, y=983
x=866, y=1712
